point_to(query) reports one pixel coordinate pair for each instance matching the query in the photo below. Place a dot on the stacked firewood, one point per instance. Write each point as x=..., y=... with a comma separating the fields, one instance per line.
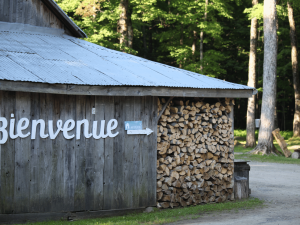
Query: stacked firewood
x=194, y=152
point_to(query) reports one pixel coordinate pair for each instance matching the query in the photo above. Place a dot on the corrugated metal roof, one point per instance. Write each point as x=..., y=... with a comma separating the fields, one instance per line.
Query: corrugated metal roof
x=62, y=59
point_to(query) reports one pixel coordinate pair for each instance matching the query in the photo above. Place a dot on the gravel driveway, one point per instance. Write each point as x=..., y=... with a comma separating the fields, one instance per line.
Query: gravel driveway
x=278, y=185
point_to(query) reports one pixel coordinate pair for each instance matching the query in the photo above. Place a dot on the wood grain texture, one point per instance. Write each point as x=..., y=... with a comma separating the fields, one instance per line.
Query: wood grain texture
x=119, y=154
x=60, y=175
x=58, y=157
x=144, y=157
x=8, y=158
x=89, y=156
x=108, y=179
x=99, y=155
x=128, y=157
x=152, y=151
x=34, y=159
x=80, y=158
x=67, y=106
x=136, y=152
x=33, y=12
x=22, y=156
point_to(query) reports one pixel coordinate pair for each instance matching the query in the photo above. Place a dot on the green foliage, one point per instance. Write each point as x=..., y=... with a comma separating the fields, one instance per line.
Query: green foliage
x=166, y=31
x=164, y=216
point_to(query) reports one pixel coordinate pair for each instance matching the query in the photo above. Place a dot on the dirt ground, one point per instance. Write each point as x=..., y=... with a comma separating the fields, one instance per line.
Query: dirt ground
x=278, y=185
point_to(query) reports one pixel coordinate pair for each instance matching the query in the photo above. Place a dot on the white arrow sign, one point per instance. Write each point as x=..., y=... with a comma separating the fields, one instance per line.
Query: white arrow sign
x=147, y=131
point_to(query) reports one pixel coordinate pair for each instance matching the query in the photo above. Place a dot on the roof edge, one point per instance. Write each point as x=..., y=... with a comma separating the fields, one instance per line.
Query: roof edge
x=72, y=89
x=64, y=18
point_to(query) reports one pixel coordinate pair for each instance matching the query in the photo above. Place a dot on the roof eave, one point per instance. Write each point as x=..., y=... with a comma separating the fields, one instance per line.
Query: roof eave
x=73, y=89
x=60, y=14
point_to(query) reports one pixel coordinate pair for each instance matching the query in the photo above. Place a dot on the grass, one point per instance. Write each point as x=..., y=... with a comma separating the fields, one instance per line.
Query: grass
x=266, y=158
x=164, y=216
x=240, y=136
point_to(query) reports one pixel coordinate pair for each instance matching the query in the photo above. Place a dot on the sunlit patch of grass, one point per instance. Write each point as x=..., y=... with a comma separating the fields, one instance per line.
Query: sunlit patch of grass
x=293, y=141
x=287, y=135
x=243, y=133
x=267, y=158
x=164, y=216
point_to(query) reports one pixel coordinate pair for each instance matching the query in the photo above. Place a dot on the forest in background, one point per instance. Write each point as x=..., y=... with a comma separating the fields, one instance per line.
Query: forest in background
x=173, y=31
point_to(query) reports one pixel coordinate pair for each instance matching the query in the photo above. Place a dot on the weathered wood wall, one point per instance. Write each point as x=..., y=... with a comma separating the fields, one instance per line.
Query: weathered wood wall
x=45, y=175
x=33, y=12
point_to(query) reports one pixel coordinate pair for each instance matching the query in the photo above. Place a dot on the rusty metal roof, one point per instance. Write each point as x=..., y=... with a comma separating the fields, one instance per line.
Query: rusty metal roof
x=37, y=55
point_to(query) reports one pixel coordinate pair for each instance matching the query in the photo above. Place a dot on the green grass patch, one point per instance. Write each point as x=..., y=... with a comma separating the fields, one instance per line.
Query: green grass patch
x=243, y=133
x=164, y=216
x=293, y=142
x=267, y=158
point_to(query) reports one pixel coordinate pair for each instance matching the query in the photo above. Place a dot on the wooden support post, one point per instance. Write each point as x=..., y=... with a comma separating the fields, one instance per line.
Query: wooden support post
x=240, y=188
x=164, y=107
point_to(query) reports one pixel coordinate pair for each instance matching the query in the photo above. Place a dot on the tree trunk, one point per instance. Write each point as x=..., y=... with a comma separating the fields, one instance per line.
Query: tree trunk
x=194, y=44
x=130, y=30
x=122, y=23
x=150, y=42
x=275, y=126
x=265, y=139
x=294, y=56
x=181, y=42
x=125, y=25
x=201, y=37
x=145, y=42
x=250, y=138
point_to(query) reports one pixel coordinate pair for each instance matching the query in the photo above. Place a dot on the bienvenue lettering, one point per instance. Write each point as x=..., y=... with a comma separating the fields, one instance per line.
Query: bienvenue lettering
x=65, y=128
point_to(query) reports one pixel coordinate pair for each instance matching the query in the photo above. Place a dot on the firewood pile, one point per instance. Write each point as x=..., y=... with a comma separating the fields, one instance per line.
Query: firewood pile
x=194, y=152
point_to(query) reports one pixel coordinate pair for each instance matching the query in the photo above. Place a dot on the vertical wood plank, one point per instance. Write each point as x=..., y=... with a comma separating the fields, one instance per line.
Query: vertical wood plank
x=12, y=11
x=34, y=157
x=22, y=156
x=46, y=158
x=108, y=183
x=146, y=149
x=45, y=15
x=80, y=158
x=19, y=11
x=8, y=157
x=152, y=151
x=2, y=10
x=57, y=159
x=90, y=146
x=99, y=155
x=35, y=19
x=144, y=161
x=68, y=111
x=136, y=153
x=1, y=136
x=33, y=12
x=118, y=156
x=26, y=13
x=128, y=157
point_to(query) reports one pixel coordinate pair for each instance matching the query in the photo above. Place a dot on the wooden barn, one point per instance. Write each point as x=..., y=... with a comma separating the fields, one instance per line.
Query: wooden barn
x=64, y=147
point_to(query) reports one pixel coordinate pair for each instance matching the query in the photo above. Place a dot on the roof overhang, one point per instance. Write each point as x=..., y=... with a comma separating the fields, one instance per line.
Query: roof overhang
x=70, y=89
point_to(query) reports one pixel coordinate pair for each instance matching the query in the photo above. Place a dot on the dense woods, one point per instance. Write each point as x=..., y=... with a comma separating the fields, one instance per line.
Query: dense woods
x=211, y=37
